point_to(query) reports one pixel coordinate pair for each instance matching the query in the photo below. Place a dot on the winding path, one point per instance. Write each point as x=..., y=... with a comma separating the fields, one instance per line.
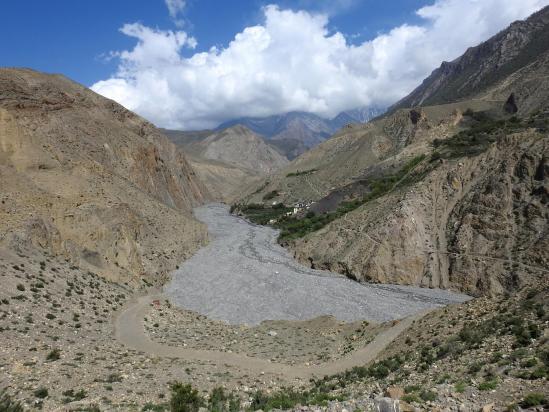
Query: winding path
x=129, y=330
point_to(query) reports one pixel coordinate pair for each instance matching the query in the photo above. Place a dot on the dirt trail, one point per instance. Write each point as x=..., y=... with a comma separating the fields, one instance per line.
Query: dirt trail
x=129, y=330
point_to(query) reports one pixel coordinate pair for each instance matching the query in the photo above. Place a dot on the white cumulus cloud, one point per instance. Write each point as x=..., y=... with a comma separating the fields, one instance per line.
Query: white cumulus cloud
x=293, y=62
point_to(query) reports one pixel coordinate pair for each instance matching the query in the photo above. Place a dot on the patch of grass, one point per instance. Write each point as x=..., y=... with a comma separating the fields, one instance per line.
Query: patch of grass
x=488, y=385
x=460, y=387
x=484, y=131
x=533, y=399
x=411, y=397
x=412, y=388
x=7, y=404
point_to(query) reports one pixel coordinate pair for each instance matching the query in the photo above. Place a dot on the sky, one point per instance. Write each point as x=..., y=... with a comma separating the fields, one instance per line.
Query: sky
x=192, y=64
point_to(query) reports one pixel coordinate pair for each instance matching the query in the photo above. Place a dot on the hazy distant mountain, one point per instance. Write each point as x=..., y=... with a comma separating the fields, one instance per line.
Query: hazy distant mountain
x=295, y=132
x=358, y=115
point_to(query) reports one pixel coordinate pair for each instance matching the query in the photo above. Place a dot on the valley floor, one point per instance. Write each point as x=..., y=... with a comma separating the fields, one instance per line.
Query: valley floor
x=71, y=339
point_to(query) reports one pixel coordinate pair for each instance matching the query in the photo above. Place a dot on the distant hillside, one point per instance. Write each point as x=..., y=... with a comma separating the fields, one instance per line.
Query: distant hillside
x=86, y=180
x=295, y=132
x=483, y=66
x=228, y=159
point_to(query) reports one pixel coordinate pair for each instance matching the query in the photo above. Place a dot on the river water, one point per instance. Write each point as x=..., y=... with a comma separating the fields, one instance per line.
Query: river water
x=244, y=277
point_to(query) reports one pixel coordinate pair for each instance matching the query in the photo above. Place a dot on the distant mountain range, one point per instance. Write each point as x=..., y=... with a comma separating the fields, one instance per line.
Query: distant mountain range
x=295, y=132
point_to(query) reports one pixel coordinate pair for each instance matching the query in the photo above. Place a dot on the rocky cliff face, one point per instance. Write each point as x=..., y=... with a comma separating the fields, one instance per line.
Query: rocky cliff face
x=357, y=151
x=485, y=65
x=85, y=178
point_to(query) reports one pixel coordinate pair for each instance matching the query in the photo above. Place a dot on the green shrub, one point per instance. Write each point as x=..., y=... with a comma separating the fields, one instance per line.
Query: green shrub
x=20, y=287
x=528, y=363
x=220, y=402
x=54, y=355
x=540, y=373
x=41, y=393
x=428, y=396
x=412, y=388
x=72, y=396
x=411, y=397
x=114, y=377
x=184, y=398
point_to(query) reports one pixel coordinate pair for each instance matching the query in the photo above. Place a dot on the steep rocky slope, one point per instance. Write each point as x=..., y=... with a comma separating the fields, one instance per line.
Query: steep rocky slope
x=476, y=224
x=239, y=146
x=451, y=195
x=84, y=178
x=487, y=64
x=229, y=160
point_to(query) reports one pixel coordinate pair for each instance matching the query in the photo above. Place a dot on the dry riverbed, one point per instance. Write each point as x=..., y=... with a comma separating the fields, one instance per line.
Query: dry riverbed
x=244, y=277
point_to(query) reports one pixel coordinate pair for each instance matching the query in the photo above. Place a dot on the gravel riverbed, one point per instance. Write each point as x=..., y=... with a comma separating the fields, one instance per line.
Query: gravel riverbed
x=244, y=277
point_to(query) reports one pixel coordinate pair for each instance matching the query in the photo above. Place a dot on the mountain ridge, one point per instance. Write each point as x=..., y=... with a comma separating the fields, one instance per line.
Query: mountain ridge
x=295, y=132
x=482, y=66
